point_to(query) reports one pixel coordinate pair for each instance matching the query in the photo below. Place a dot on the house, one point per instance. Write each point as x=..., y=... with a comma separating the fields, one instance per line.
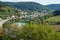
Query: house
x=8, y=17
x=13, y=16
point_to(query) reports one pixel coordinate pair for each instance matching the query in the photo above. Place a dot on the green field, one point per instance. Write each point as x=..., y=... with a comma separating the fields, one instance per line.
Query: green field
x=54, y=19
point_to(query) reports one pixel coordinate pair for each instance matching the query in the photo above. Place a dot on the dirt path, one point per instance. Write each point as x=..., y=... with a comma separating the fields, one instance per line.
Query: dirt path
x=57, y=27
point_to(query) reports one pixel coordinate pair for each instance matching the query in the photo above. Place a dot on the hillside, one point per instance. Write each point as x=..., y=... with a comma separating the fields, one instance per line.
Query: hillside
x=54, y=20
x=28, y=6
x=2, y=4
x=6, y=11
x=28, y=11
x=53, y=6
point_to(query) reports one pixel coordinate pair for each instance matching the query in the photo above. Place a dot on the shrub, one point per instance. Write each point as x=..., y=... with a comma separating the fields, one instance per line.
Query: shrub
x=32, y=31
x=37, y=32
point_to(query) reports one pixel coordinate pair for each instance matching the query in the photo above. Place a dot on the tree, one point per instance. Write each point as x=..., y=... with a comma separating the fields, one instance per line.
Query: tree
x=56, y=12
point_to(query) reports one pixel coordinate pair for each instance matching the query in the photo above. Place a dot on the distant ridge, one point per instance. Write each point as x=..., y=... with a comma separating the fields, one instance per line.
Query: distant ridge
x=53, y=6
x=28, y=6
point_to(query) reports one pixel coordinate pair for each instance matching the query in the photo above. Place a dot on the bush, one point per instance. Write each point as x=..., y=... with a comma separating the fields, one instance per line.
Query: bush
x=37, y=32
x=2, y=34
x=32, y=31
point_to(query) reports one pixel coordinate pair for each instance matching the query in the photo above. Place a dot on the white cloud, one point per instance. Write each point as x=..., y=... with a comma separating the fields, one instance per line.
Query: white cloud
x=16, y=0
x=49, y=1
x=39, y=1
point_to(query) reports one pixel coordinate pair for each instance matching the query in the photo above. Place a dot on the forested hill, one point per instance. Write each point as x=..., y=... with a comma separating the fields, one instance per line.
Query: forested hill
x=6, y=11
x=53, y=6
x=2, y=4
x=28, y=6
x=9, y=8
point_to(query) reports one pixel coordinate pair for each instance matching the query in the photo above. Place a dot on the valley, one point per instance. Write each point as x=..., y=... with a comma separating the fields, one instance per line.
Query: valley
x=29, y=21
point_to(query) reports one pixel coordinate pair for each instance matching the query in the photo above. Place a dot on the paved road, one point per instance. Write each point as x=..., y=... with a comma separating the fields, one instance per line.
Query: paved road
x=3, y=21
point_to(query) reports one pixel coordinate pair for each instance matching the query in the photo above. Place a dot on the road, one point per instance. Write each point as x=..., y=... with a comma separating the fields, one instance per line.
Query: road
x=2, y=22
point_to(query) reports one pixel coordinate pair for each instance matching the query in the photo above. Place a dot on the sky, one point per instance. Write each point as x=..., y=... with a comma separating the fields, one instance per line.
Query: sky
x=43, y=2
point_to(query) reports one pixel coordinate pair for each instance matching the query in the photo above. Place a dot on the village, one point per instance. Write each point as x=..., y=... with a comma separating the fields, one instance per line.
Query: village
x=27, y=15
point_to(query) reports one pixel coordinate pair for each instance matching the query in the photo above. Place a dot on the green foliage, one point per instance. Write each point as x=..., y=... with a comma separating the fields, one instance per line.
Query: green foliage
x=32, y=31
x=54, y=20
x=56, y=12
x=48, y=16
x=36, y=32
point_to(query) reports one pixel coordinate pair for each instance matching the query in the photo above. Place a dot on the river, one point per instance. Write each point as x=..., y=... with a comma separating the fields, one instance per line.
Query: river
x=19, y=24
